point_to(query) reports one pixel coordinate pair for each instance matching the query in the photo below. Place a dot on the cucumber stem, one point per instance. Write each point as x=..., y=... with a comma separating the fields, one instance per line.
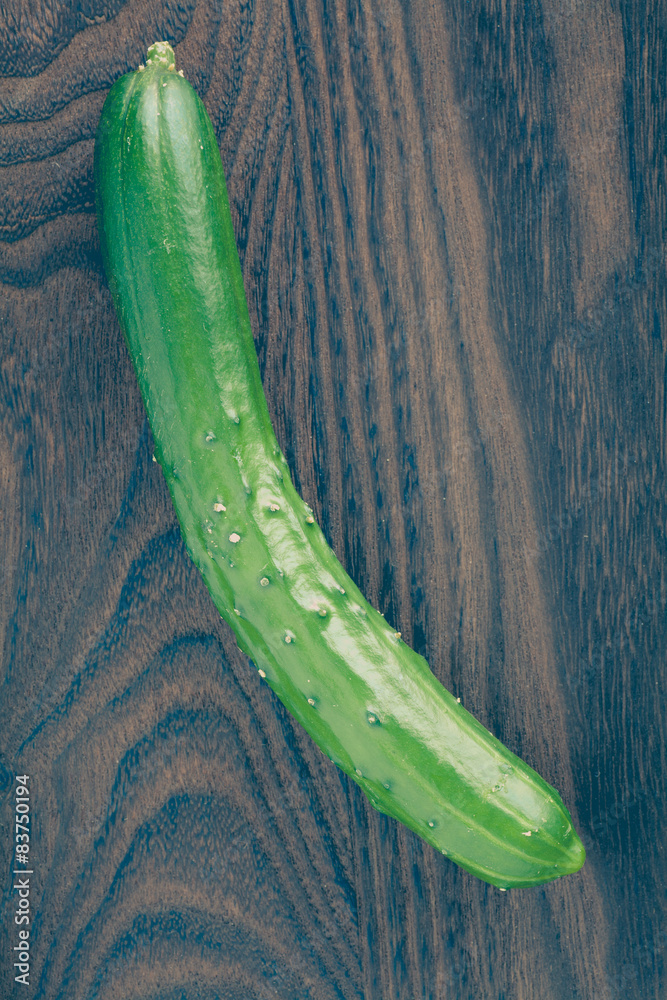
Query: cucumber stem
x=161, y=52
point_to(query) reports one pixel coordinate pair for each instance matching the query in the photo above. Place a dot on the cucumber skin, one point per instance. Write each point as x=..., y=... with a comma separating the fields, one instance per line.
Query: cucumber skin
x=369, y=701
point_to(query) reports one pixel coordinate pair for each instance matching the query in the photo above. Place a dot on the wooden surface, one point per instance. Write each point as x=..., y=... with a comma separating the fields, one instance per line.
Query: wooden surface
x=451, y=219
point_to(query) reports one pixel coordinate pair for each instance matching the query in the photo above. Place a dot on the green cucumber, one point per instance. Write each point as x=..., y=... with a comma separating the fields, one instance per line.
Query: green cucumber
x=369, y=701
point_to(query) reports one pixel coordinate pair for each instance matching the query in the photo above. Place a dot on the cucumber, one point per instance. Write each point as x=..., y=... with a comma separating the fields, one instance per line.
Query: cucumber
x=369, y=701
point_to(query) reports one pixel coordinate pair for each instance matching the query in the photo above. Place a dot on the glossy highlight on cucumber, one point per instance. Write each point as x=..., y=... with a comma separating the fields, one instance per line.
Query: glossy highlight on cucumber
x=369, y=701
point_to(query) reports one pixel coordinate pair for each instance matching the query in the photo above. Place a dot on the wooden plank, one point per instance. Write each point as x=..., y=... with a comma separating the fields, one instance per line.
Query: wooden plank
x=451, y=220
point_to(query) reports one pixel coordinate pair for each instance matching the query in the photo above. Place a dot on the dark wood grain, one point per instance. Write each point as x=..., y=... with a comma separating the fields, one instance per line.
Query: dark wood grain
x=451, y=220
